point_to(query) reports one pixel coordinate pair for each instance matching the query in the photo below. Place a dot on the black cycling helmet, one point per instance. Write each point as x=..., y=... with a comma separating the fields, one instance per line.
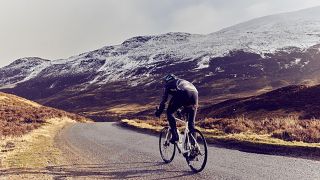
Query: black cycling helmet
x=169, y=78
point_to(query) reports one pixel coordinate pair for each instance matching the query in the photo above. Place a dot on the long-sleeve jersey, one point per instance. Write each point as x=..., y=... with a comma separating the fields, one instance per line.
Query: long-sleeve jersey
x=178, y=88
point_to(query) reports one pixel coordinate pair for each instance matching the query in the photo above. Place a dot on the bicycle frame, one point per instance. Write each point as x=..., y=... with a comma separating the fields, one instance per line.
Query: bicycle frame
x=187, y=145
x=185, y=139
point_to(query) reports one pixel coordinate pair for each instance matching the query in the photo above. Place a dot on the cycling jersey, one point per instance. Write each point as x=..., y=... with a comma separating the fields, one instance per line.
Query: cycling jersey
x=182, y=91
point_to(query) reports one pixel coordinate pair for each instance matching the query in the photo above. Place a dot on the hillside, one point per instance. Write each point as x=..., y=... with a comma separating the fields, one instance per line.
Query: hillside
x=19, y=116
x=296, y=100
x=239, y=61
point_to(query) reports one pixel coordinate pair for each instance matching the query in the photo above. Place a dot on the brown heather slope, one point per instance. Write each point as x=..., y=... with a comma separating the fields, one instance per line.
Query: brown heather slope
x=291, y=113
x=19, y=116
x=27, y=137
x=297, y=100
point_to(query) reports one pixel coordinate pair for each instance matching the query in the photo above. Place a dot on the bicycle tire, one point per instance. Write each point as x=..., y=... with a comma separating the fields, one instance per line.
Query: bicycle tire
x=205, y=151
x=167, y=158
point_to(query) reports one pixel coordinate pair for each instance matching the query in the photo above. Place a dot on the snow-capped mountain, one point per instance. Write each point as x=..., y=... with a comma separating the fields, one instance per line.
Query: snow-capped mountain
x=22, y=70
x=258, y=55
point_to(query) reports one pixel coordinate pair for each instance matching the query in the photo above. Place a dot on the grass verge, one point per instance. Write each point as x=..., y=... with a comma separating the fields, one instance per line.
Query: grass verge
x=249, y=142
x=33, y=150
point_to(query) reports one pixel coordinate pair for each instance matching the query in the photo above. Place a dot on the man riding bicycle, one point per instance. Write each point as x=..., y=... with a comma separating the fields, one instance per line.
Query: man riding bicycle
x=184, y=94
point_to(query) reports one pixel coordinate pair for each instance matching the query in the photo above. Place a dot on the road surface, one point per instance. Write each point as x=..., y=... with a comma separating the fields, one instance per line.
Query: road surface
x=109, y=151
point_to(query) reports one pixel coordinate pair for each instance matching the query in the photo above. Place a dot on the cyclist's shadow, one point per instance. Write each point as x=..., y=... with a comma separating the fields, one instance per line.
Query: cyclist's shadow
x=122, y=170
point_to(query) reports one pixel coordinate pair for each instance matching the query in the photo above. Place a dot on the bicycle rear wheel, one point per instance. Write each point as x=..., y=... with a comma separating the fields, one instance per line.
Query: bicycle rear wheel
x=167, y=150
x=198, y=155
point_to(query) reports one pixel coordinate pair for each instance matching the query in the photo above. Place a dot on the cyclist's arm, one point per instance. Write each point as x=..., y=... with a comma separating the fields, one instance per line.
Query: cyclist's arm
x=164, y=99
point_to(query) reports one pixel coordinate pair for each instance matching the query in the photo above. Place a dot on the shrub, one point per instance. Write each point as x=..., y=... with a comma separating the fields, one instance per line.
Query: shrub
x=288, y=129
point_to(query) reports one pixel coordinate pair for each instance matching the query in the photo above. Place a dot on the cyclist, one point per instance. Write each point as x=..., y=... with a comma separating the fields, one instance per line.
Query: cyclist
x=184, y=94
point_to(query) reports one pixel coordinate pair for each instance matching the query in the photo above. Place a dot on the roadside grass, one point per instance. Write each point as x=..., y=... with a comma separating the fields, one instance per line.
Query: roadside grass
x=27, y=130
x=34, y=149
x=19, y=116
x=277, y=131
x=288, y=129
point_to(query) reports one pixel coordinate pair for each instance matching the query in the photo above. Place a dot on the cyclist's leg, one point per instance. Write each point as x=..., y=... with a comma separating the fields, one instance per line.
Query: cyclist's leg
x=173, y=106
x=192, y=109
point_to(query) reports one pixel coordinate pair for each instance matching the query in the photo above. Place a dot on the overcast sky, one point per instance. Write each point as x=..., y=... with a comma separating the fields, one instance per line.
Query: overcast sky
x=56, y=29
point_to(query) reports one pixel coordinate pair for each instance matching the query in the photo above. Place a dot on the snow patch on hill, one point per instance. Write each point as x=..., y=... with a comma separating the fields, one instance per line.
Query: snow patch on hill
x=263, y=35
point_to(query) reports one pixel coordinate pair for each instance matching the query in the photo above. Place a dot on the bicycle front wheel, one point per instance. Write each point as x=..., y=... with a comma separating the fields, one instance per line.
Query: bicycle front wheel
x=167, y=150
x=198, y=155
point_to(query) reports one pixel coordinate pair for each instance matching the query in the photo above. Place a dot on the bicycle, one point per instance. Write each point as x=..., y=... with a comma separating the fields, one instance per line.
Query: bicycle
x=193, y=146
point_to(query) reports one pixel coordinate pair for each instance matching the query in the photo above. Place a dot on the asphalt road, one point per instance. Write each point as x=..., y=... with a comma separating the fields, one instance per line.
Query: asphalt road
x=113, y=152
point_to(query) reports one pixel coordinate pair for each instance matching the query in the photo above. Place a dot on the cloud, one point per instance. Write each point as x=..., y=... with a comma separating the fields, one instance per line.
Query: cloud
x=59, y=29
x=208, y=16
x=196, y=19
